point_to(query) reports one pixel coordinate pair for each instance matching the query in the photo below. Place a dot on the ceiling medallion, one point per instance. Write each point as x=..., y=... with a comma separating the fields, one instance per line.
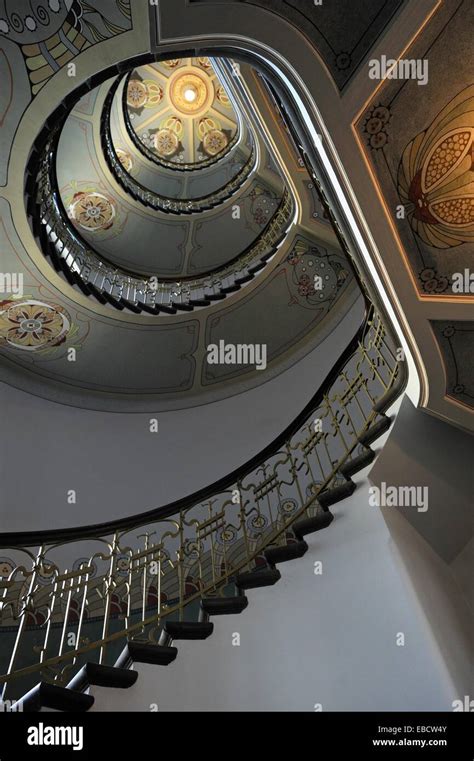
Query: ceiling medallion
x=143, y=93
x=32, y=325
x=191, y=92
x=92, y=211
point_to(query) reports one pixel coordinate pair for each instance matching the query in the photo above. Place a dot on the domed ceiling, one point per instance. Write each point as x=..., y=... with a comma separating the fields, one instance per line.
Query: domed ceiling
x=181, y=111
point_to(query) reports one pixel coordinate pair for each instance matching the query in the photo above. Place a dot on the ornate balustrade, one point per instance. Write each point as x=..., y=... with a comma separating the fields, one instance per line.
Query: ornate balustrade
x=77, y=596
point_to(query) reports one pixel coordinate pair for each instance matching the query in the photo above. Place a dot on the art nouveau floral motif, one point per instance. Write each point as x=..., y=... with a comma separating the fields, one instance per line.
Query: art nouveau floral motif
x=92, y=211
x=436, y=176
x=33, y=325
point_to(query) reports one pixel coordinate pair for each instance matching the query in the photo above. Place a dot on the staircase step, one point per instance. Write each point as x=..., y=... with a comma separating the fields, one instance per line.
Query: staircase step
x=357, y=463
x=46, y=695
x=375, y=431
x=146, y=652
x=389, y=398
x=103, y=676
x=267, y=577
x=305, y=526
x=189, y=629
x=221, y=606
x=287, y=552
x=338, y=493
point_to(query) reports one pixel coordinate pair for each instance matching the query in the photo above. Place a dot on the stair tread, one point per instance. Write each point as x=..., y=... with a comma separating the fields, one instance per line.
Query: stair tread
x=357, y=463
x=314, y=523
x=375, y=430
x=286, y=552
x=103, y=676
x=336, y=494
x=46, y=695
x=147, y=652
x=189, y=629
x=266, y=577
x=215, y=606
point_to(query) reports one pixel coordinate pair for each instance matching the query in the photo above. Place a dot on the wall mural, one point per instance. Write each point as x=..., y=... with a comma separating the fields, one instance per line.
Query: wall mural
x=456, y=342
x=92, y=211
x=436, y=176
x=53, y=33
x=180, y=111
x=424, y=163
x=37, y=39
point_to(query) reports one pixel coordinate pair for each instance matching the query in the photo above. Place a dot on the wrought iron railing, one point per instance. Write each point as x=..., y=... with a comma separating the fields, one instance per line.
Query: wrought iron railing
x=77, y=596
x=82, y=265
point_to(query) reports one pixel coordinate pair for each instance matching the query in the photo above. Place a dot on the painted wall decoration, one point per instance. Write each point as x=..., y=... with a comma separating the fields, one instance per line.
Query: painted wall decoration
x=37, y=39
x=315, y=278
x=33, y=325
x=419, y=142
x=54, y=32
x=436, y=176
x=92, y=211
x=456, y=343
x=299, y=302
x=180, y=111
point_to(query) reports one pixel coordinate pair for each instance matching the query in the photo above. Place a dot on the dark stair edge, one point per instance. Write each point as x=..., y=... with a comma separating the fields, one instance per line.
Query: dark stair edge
x=357, y=463
x=283, y=553
x=389, y=397
x=188, y=630
x=221, y=606
x=266, y=577
x=145, y=652
x=45, y=695
x=310, y=525
x=102, y=676
x=376, y=430
x=336, y=494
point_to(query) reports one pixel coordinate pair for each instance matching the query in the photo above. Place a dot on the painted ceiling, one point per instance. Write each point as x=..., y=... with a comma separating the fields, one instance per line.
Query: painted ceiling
x=181, y=111
x=59, y=344
x=402, y=130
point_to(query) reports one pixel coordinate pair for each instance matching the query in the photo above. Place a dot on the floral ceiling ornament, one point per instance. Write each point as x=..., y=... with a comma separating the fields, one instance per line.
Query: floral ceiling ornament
x=167, y=140
x=375, y=127
x=436, y=176
x=214, y=139
x=143, y=93
x=125, y=159
x=92, y=211
x=33, y=325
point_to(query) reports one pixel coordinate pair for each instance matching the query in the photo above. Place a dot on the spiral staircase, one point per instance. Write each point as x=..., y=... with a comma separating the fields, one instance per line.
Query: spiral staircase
x=80, y=606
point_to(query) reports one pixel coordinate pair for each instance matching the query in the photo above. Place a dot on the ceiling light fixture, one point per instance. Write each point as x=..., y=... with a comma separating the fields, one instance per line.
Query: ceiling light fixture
x=190, y=94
